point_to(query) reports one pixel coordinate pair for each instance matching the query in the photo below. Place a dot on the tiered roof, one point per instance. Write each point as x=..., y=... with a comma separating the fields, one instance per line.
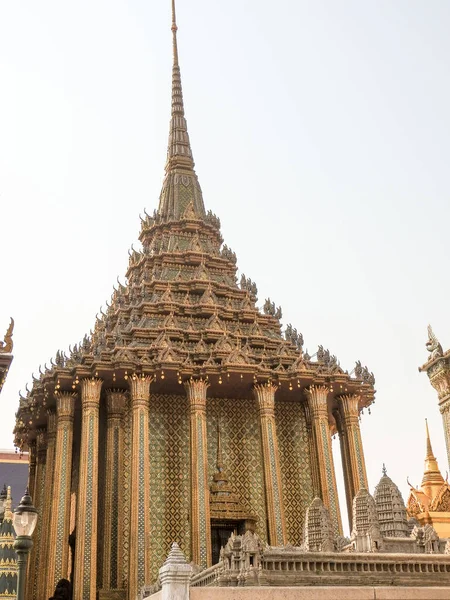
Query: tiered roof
x=183, y=313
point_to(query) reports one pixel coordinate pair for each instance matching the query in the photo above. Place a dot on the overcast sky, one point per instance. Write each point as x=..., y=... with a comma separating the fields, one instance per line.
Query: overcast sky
x=320, y=131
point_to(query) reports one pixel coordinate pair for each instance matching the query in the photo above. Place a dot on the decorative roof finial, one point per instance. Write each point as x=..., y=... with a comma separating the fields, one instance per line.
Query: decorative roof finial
x=177, y=192
x=430, y=454
x=174, y=34
x=384, y=471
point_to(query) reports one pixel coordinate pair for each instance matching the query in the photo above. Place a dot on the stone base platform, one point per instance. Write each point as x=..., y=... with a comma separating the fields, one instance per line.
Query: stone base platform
x=319, y=593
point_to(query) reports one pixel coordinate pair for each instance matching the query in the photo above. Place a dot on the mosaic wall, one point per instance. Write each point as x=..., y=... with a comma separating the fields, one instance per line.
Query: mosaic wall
x=126, y=424
x=169, y=476
x=295, y=467
x=241, y=446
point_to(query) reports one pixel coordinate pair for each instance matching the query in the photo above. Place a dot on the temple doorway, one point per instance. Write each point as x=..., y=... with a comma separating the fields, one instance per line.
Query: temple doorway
x=220, y=534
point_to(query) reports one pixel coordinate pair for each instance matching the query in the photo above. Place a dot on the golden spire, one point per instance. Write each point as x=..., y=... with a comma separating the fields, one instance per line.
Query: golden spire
x=429, y=454
x=180, y=188
x=432, y=477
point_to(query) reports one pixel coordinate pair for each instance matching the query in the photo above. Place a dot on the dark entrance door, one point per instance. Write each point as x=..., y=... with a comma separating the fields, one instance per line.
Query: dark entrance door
x=220, y=534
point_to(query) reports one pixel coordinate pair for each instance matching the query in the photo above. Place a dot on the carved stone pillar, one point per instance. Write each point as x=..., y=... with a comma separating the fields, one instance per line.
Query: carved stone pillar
x=47, y=507
x=85, y=575
x=58, y=536
x=265, y=396
x=139, y=566
x=200, y=515
x=112, y=530
x=356, y=466
x=317, y=399
x=39, y=501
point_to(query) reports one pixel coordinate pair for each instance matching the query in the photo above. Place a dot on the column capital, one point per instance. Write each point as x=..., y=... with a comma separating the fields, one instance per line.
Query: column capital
x=91, y=388
x=41, y=444
x=140, y=389
x=65, y=406
x=32, y=453
x=196, y=393
x=350, y=406
x=265, y=396
x=51, y=425
x=317, y=399
x=115, y=403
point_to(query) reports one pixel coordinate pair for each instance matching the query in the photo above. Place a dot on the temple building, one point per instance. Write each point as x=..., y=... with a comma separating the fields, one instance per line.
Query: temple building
x=125, y=455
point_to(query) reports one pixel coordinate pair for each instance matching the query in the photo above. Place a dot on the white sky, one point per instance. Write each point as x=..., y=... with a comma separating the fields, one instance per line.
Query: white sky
x=320, y=131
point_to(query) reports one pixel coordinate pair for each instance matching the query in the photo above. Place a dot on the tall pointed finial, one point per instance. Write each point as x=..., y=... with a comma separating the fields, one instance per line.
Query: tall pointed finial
x=181, y=188
x=384, y=471
x=174, y=34
x=430, y=454
x=432, y=477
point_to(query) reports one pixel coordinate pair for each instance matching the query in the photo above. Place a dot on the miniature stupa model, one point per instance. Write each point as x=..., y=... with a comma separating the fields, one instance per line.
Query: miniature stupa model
x=122, y=432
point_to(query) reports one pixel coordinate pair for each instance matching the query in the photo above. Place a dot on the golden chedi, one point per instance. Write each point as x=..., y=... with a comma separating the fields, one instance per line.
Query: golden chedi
x=430, y=503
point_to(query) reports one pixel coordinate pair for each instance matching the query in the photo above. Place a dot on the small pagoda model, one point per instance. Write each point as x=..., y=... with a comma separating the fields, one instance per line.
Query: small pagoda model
x=122, y=432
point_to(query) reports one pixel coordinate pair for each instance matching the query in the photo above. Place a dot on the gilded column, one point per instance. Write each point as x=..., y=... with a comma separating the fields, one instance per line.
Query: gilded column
x=317, y=399
x=139, y=566
x=112, y=530
x=46, y=514
x=265, y=396
x=356, y=466
x=31, y=467
x=200, y=515
x=38, y=499
x=85, y=570
x=348, y=484
x=57, y=555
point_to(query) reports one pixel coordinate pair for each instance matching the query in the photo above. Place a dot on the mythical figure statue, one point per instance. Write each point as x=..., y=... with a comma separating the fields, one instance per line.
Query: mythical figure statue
x=433, y=346
x=7, y=345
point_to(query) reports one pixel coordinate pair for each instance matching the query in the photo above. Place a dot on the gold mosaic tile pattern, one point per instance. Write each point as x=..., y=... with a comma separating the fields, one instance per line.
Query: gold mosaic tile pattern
x=241, y=446
x=126, y=424
x=169, y=476
x=295, y=467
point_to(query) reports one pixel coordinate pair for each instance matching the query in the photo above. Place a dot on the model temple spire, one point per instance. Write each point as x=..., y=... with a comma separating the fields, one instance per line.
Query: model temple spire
x=181, y=187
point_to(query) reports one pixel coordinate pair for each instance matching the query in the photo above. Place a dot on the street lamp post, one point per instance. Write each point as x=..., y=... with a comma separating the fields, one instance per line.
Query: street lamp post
x=24, y=522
